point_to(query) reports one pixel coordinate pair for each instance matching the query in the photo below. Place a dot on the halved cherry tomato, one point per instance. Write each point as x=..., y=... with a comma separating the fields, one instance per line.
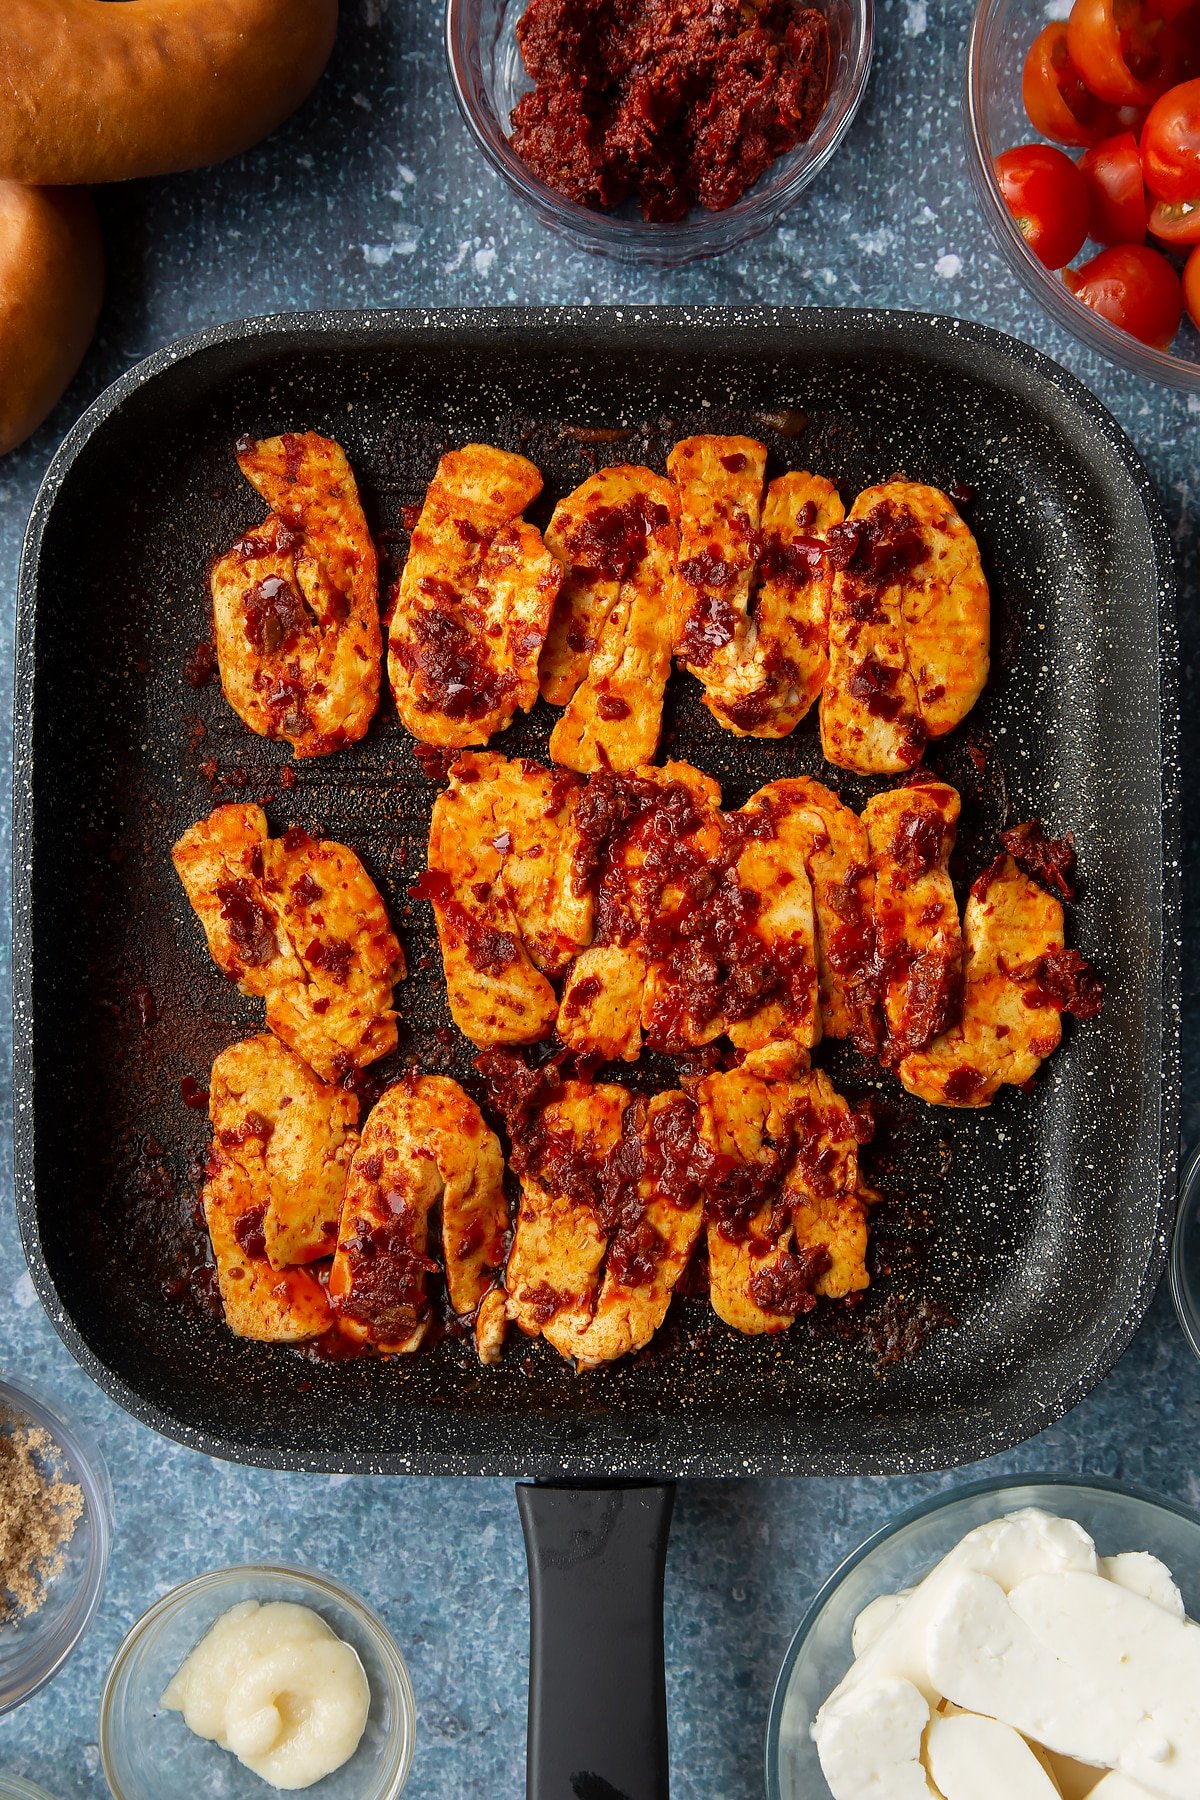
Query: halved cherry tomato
x=1175, y=224
x=1171, y=144
x=1133, y=287
x=1047, y=196
x=1057, y=102
x=1191, y=287
x=1125, y=54
x=1116, y=193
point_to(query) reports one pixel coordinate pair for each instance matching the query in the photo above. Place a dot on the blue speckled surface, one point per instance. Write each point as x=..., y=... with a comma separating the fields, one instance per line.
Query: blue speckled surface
x=373, y=196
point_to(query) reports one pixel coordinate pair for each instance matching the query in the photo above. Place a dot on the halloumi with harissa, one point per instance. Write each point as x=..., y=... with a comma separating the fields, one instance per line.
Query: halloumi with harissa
x=473, y=603
x=644, y=833
x=607, y=654
x=290, y=1136
x=1011, y=1009
x=909, y=626
x=275, y=1177
x=502, y=881
x=805, y=828
x=300, y=924
x=296, y=601
x=610, y=1213
x=918, y=938
x=754, y=582
x=787, y=1210
x=425, y=1151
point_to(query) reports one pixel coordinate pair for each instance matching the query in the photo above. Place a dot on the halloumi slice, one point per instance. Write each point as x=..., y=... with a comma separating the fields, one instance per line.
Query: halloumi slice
x=292, y=1136
x=300, y=923
x=1010, y=1022
x=645, y=827
x=425, y=1147
x=509, y=909
x=918, y=939
x=816, y=832
x=795, y=1223
x=554, y=1266
x=296, y=603
x=784, y=652
x=473, y=603
x=909, y=626
x=607, y=654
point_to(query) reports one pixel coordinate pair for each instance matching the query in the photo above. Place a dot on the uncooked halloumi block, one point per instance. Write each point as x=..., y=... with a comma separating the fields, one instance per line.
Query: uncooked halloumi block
x=1080, y=1665
x=976, y=1758
x=870, y=1743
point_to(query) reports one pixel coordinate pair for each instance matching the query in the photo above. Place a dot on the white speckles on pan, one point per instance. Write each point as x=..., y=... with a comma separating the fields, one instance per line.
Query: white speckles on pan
x=1048, y=1231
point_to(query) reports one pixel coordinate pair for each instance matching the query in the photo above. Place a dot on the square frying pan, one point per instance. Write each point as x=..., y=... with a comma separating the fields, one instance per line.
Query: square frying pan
x=1041, y=1223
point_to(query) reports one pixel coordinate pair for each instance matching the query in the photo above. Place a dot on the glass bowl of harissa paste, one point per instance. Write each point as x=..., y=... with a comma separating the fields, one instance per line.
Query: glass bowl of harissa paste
x=607, y=182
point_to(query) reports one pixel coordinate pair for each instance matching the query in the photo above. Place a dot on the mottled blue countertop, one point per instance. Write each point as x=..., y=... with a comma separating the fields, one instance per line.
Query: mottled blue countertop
x=374, y=196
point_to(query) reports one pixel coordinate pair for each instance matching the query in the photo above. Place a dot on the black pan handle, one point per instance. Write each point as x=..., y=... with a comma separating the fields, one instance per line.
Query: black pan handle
x=597, y=1686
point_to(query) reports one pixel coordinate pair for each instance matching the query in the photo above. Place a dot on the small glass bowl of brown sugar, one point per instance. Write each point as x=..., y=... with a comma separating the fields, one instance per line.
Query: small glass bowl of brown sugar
x=55, y=1532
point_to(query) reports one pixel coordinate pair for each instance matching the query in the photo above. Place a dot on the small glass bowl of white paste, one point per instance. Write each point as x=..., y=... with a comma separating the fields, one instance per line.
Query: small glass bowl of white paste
x=148, y=1750
x=1117, y=1517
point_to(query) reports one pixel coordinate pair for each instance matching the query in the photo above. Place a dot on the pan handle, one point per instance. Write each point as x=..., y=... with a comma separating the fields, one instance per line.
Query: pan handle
x=597, y=1687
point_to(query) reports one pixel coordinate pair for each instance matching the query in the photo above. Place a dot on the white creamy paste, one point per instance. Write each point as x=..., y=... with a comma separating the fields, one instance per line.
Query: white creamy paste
x=273, y=1684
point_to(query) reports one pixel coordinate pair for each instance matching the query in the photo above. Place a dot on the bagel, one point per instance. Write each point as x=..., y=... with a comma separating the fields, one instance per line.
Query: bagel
x=51, y=285
x=93, y=91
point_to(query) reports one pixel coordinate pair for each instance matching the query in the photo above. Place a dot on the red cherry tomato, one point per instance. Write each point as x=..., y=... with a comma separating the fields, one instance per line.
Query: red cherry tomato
x=1171, y=144
x=1133, y=287
x=1125, y=54
x=1191, y=287
x=1056, y=100
x=1175, y=224
x=1048, y=197
x=1116, y=193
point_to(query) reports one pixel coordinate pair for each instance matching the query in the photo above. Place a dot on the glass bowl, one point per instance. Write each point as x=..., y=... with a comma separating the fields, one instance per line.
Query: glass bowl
x=1185, y=1252
x=12, y=1787
x=1117, y=1517
x=489, y=78
x=34, y=1649
x=1001, y=33
x=147, y=1752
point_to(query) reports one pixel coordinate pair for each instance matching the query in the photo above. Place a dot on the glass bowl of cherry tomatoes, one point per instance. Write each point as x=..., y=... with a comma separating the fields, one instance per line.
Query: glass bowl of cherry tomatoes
x=1083, y=132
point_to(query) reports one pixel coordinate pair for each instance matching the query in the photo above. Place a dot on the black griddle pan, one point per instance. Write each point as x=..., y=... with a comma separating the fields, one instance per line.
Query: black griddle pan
x=1041, y=1223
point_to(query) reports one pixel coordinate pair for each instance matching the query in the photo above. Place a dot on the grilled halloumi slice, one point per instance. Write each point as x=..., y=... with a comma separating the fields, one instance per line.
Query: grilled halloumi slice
x=811, y=831
x=295, y=601
x=473, y=603
x=558, y=1242
x=918, y=939
x=909, y=624
x=509, y=911
x=597, y=1294
x=607, y=654
x=720, y=486
x=1009, y=1022
x=801, y=1228
x=657, y=818
x=754, y=583
x=276, y=1172
x=299, y=923
x=276, y=1306
x=292, y=1136
x=425, y=1147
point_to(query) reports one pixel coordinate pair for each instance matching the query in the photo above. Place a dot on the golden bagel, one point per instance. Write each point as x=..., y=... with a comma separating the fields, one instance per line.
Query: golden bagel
x=51, y=284
x=91, y=91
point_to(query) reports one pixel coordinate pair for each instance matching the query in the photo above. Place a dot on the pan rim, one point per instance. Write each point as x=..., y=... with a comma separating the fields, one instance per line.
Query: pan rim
x=882, y=329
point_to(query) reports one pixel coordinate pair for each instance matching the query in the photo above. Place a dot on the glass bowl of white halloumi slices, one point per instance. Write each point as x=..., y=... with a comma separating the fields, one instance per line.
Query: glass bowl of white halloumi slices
x=1013, y=1640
